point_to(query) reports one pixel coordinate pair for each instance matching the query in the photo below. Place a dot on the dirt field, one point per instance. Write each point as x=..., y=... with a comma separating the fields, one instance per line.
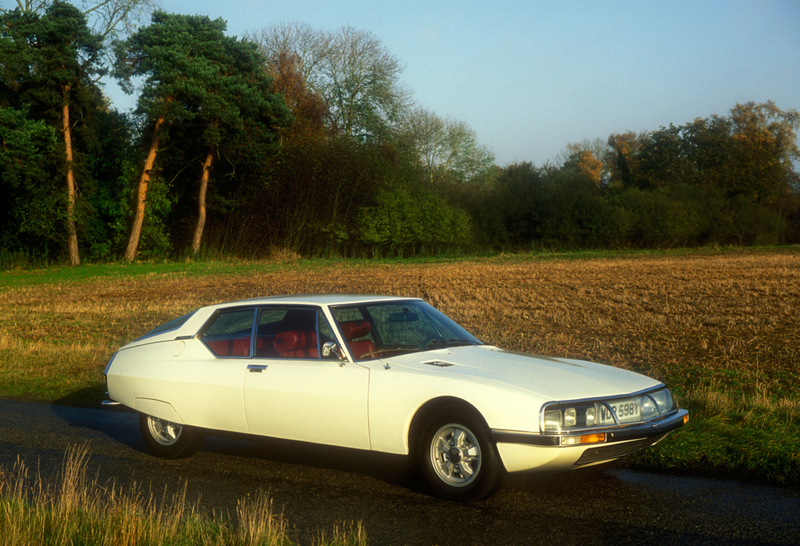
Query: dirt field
x=722, y=330
x=677, y=318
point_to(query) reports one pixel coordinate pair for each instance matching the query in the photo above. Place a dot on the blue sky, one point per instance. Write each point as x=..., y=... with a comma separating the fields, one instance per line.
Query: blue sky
x=531, y=76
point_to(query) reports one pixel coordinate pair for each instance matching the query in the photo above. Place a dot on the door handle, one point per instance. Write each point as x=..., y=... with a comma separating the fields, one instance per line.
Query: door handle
x=256, y=368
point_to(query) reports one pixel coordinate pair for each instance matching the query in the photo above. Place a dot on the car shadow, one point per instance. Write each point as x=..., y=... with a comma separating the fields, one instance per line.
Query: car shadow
x=120, y=424
x=83, y=409
x=399, y=470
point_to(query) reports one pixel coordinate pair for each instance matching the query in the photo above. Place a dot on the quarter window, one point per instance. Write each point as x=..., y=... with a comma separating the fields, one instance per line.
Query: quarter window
x=230, y=333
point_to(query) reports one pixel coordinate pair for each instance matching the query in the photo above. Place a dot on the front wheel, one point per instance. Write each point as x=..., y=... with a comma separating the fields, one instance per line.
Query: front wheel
x=457, y=458
x=167, y=439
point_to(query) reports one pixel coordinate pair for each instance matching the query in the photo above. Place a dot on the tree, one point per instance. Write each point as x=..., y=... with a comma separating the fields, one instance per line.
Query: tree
x=237, y=98
x=363, y=93
x=165, y=54
x=107, y=17
x=765, y=148
x=196, y=75
x=750, y=153
x=307, y=108
x=55, y=75
x=445, y=149
x=622, y=160
x=349, y=69
x=306, y=46
x=583, y=159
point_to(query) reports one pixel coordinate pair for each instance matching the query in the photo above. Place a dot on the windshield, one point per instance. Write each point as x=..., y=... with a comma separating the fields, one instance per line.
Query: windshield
x=379, y=329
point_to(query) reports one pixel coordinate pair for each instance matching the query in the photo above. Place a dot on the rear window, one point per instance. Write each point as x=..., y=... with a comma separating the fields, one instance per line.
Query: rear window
x=169, y=326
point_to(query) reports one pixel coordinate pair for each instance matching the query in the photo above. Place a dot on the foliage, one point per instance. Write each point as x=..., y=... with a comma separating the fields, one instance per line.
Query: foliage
x=311, y=200
x=47, y=77
x=749, y=153
x=722, y=180
x=349, y=69
x=304, y=141
x=108, y=18
x=403, y=220
x=446, y=150
x=26, y=145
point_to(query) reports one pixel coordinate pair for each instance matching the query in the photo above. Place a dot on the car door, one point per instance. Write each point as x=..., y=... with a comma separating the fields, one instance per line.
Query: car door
x=204, y=380
x=291, y=392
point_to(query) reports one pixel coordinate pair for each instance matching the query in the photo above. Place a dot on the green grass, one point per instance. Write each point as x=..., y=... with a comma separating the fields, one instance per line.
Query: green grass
x=203, y=268
x=744, y=437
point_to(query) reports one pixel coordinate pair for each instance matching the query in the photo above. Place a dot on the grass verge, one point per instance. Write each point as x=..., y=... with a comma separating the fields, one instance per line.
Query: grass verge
x=74, y=509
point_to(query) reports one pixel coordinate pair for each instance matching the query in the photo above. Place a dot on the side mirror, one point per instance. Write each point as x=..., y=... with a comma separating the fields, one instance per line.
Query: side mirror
x=330, y=349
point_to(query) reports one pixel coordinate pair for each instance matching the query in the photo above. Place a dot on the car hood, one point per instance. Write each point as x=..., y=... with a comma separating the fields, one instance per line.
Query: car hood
x=551, y=378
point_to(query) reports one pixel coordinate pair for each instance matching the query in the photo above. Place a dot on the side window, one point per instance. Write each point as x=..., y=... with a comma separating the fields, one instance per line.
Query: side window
x=325, y=330
x=230, y=333
x=287, y=333
x=357, y=331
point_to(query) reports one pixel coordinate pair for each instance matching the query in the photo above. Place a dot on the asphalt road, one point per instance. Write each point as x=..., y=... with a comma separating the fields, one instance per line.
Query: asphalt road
x=317, y=487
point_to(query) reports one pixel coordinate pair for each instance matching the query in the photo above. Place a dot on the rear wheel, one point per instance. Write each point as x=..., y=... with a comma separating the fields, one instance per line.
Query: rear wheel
x=167, y=439
x=457, y=457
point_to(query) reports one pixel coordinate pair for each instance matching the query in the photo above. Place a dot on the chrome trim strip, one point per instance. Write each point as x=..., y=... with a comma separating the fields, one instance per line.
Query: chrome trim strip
x=633, y=432
x=606, y=398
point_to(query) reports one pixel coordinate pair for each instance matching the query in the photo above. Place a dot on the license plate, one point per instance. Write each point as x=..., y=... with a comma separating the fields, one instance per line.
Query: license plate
x=626, y=410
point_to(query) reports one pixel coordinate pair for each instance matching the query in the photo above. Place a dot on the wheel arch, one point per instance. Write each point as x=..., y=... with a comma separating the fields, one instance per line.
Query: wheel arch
x=428, y=409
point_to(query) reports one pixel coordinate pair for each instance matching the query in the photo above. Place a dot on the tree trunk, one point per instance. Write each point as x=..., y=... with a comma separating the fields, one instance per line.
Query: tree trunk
x=201, y=202
x=72, y=234
x=141, y=195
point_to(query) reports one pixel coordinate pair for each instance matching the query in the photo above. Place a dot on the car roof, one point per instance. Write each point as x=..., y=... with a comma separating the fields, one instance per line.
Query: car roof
x=313, y=299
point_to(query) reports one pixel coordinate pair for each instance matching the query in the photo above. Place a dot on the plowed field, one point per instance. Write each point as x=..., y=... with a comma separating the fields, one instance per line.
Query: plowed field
x=661, y=314
x=721, y=329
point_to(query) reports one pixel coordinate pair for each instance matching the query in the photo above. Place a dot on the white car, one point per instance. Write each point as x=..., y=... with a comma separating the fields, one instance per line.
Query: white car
x=385, y=374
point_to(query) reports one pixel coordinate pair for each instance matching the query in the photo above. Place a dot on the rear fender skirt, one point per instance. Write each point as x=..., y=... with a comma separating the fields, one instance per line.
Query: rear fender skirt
x=157, y=408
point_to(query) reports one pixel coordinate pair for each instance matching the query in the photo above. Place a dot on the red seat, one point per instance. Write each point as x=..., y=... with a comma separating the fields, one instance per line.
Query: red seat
x=297, y=344
x=265, y=346
x=230, y=347
x=355, y=329
x=240, y=347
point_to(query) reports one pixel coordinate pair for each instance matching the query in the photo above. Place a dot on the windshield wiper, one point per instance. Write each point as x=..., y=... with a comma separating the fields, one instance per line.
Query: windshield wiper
x=428, y=345
x=380, y=351
x=452, y=342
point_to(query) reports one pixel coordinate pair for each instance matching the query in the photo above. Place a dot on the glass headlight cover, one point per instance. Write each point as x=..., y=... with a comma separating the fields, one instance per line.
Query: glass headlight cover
x=569, y=417
x=553, y=419
x=582, y=415
x=664, y=400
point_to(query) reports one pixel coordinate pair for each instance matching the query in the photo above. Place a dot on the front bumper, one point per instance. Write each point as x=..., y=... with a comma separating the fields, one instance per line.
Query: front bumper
x=527, y=450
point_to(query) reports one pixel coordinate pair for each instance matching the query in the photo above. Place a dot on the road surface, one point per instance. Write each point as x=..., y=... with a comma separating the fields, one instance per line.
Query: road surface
x=317, y=487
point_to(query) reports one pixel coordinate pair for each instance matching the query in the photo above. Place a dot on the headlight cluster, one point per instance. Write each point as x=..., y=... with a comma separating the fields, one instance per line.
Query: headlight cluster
x=569, y=417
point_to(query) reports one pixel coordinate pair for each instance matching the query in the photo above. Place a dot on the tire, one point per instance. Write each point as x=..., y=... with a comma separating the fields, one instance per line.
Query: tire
x=457, y=457
x=169, y=440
